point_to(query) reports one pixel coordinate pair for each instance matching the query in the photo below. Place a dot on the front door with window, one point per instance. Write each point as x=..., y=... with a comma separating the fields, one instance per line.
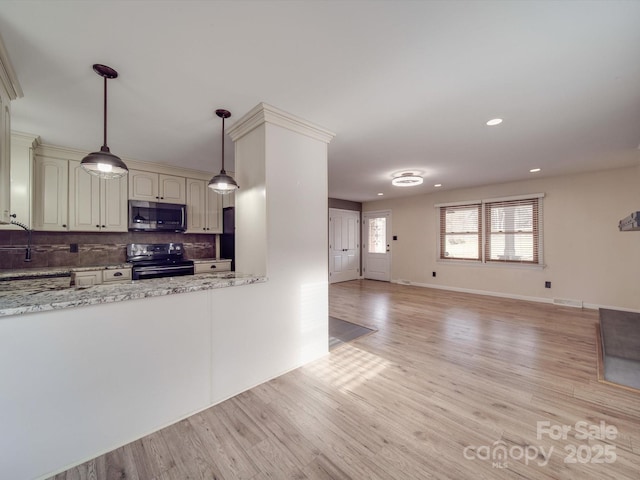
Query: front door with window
x=376, y=245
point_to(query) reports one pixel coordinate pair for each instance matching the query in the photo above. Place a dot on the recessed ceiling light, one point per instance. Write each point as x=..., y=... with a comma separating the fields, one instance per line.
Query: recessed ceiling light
x=438, y=185
x=534, y=170
x=407, y=179
x=380, y=194
x=494, y=121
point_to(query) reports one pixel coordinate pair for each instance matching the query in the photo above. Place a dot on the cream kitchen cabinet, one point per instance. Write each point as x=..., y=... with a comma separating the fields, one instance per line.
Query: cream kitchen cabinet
x=22, y=154
x=96, y=205
x=5, y=155
x=9, y=90
x=156, y=187
x=88, y=278
x=50, y=209
x=204, y=208
x=212, y=266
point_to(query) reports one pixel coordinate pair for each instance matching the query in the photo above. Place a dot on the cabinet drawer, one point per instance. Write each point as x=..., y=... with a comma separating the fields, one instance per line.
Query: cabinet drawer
x=212, y=267
x=86, y=279
x=116, y=275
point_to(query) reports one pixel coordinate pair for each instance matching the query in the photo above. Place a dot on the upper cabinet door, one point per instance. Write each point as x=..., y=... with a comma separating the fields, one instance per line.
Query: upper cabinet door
x=143, y=186
x=196, y=207
x=154, y=187
x=5, y=157
x=84, y=199
x=172, y=189
x=214, y=211
x=96, y=205
x=113, y=205
x=50, y=194
x=9, y=90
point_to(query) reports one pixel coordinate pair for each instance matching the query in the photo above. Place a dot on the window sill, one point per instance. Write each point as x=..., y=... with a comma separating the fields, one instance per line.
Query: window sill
x=471, y=263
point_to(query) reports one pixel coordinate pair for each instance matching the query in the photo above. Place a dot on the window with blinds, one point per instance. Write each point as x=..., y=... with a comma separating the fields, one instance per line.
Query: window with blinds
x=512, y=231
x=460, y=232
x=503, y=230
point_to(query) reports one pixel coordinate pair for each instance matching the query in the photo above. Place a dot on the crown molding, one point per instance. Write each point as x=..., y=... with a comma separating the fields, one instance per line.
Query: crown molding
x=68, y=153
x=265, y=113
x=25, y=139
x=8, y=75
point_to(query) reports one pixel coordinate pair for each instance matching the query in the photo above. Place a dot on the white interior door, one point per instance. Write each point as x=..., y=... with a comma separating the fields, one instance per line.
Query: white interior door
x=344, y=245
x=376, y=245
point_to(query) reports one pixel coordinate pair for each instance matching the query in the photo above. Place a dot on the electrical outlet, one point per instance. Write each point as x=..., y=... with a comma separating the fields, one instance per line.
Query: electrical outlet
x=433, y=274
x=547, y=284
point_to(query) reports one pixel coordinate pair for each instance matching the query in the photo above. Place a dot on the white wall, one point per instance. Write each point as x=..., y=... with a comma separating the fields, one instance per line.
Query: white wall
x=586, y=257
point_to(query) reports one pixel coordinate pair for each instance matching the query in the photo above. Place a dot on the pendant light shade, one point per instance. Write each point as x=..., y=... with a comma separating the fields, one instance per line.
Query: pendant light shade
x=104, y=164
x=222, y=183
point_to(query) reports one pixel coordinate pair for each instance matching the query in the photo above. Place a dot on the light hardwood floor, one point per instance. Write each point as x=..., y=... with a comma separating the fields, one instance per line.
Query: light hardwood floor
x=446, y=374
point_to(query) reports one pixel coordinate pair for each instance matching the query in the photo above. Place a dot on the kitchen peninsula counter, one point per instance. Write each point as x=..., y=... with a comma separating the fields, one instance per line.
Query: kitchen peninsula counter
x=43, y=294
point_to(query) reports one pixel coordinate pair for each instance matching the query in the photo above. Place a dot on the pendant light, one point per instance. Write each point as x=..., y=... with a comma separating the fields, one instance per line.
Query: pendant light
x=223, y=183
x=104, y=164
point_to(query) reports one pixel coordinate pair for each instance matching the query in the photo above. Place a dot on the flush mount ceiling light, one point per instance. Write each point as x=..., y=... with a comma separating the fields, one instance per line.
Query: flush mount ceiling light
x=223, y=183
x=104, y=164
x=407, y=179
x=494, y=121
x=534, y=170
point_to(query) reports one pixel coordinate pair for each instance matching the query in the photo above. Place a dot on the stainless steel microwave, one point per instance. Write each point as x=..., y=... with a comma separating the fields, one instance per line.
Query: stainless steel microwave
x=157, y=217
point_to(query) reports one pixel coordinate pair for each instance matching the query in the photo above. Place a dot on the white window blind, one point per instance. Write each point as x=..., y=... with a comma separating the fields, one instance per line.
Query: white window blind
x=460, y=232
x=499, y=230
x=512, y=231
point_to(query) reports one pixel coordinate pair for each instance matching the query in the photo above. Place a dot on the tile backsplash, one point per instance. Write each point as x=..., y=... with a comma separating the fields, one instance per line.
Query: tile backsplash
x=53, y=249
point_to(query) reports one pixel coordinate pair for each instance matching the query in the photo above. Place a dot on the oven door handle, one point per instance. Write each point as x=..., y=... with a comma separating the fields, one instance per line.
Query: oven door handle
x=161, y=269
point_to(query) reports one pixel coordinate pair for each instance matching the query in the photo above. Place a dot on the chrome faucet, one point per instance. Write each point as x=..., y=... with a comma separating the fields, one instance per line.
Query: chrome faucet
x=27, y=253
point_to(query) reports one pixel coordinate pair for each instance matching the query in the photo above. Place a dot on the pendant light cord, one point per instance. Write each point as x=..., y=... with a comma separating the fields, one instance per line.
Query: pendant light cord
x=222, y=171
x=104, y=144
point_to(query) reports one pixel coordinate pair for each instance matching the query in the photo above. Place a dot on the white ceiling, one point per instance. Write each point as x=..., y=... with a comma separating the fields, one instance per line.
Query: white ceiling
x=405, y=85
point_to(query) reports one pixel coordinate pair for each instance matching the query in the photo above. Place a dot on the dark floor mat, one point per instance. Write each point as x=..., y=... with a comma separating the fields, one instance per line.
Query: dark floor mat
x=620, y=341
x=341, y=331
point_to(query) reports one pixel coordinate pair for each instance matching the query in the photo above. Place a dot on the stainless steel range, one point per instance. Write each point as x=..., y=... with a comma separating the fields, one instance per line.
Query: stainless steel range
x=154, y=260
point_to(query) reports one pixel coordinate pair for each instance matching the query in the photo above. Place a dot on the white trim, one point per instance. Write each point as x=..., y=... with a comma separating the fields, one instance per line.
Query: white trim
x=596, y=306
x=68, y=153
x=265, y=113
x=588, y=306
x=8, y=75
x=376, y=213
x=458, y=204
x=513, y=198
x=475, y=292
x=490, y=200
x=495, y=264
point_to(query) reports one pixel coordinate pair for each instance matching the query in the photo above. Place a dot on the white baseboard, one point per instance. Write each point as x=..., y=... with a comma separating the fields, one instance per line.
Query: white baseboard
x=596, y=306
x=476, y=292
x=590, y=306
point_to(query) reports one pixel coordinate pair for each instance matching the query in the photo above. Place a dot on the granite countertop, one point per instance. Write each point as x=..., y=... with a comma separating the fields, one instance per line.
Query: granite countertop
x=38, y=295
